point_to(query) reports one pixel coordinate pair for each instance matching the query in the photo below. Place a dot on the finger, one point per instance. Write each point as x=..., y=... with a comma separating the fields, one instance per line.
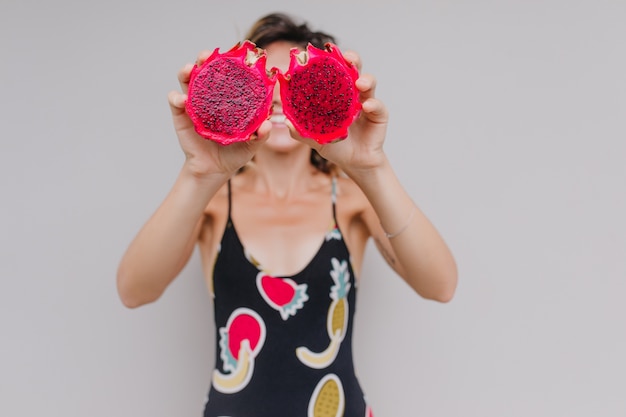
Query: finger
x=203, y=56
x=296, y=136
x=311, y=143
x=366, y=84
x=177, y=102
x=185, y=72
x=353, y=58
x=375, y=110
x=183, y=77
x=259, y=137
x=263, y=132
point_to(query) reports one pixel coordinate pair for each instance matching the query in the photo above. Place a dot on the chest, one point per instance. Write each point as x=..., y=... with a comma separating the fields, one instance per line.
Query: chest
x=282, y=237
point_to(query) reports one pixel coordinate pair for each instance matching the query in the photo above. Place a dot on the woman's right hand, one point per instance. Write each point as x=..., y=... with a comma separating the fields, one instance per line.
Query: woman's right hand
x=205, y=157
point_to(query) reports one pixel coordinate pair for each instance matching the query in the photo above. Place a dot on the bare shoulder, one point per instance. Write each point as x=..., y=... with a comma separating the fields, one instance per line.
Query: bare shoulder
x=354, y=212
x=353, y=209
x=350, y=197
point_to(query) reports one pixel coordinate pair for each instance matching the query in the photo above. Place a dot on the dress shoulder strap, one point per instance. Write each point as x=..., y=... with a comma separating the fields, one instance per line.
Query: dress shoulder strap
x=334, y=197
x=230, y=201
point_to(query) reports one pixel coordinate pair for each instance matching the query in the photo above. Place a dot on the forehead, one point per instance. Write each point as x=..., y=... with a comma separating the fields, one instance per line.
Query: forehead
x=278, y=54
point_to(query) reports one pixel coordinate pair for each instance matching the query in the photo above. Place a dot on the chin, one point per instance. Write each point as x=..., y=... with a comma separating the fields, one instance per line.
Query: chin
x=281, y=141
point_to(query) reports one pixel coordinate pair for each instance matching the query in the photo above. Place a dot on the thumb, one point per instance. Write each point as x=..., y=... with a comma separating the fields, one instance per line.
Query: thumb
x=262, y=133
x=375, y=110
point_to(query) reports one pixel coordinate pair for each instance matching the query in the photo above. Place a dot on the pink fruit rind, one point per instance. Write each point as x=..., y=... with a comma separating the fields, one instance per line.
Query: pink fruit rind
x=230, y=94
x=319, y=96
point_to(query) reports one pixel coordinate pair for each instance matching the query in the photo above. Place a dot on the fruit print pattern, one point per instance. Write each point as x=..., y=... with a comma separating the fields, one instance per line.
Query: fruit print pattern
x=285, y=364
x=240, y=342
x=282, y=294
x=334, y=233
x=336, y=319
x=252, y=259
x=328, y=399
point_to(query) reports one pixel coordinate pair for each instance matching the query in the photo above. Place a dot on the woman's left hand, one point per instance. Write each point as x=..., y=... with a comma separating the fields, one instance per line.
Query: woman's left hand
x=363, y=148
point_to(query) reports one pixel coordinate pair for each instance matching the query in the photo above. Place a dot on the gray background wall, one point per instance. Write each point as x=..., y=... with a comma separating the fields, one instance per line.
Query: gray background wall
x=508, y=127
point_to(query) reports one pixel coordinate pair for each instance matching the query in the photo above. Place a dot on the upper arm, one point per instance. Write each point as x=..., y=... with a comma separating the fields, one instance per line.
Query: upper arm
x=211, y=229
x=191, y=244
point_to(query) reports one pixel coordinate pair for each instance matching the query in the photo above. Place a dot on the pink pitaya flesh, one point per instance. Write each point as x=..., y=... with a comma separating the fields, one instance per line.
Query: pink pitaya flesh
x=318, y=93
x=230, y=94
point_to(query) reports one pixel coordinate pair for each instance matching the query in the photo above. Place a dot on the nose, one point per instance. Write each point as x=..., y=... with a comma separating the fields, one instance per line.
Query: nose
x=276, y=97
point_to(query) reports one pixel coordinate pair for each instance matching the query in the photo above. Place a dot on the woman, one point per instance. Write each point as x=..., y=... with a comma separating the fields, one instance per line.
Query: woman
x=282, y=238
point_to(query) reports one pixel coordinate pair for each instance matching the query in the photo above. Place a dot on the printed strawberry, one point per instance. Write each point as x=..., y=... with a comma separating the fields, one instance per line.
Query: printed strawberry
x=282, y=294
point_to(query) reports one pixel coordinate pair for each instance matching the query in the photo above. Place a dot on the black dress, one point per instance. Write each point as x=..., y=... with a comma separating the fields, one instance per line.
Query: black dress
x=284, y=344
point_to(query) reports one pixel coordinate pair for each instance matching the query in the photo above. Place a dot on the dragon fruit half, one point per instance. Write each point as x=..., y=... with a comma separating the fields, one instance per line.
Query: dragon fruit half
x=230, y=94
x=318, y=93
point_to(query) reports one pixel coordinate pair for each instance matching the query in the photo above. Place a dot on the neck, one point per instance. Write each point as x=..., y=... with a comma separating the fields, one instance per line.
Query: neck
x=283, y=175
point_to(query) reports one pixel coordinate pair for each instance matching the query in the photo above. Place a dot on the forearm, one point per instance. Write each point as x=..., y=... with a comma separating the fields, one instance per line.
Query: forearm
x=417, y=250
x=163, y=245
